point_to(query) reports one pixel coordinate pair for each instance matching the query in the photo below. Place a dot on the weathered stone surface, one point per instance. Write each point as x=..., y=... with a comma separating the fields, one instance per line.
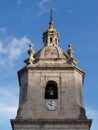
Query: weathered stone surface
x=51, y=65
x=69, y=82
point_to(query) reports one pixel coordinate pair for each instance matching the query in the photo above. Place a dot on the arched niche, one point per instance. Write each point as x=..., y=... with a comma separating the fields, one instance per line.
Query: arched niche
x=51, y=90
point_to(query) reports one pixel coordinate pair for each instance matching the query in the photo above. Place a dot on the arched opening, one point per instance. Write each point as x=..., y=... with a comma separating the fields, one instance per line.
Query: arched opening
x=51, y=90
x=51, y=39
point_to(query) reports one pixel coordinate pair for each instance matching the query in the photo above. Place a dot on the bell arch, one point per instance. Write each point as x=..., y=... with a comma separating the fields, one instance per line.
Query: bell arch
x=51, y=90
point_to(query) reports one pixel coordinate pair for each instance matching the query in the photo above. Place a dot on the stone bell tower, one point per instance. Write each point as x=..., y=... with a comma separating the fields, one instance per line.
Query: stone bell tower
x=51, y=84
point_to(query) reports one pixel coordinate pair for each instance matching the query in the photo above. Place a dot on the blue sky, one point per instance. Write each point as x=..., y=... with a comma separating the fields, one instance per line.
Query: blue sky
x=23, y=22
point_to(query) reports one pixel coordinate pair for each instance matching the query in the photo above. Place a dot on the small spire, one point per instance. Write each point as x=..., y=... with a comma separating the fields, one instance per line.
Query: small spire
x=51, y=19
x=51, y=15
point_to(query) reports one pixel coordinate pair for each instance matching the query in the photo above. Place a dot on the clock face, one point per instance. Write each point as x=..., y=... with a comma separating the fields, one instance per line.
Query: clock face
x=51, y=105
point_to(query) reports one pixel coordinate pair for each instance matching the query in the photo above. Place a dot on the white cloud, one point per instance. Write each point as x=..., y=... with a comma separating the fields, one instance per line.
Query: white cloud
x=7, y=110
x=2, y=49
x=11, y=48
x=8, y=103
x=19, y=2
x=42, y=3
x=8, y=106
x=17, y=47
x=2, y=62
x=92, y=113
x=3, y=30
x=9, y=95
x=70, y=11
x=39, y=8
x=43, y=11
x=43, y=7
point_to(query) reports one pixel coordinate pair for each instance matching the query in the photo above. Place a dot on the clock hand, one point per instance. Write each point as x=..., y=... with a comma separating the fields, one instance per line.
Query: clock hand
x=50, y=104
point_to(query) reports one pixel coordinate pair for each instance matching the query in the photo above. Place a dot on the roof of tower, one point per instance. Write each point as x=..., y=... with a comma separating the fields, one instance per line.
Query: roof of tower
x=51, y=53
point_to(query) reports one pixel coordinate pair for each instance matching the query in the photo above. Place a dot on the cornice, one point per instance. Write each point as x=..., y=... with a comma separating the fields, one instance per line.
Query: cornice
x=52, y=121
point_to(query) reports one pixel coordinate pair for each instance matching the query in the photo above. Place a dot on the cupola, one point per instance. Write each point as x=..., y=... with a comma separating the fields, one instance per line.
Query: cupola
x=51, y=35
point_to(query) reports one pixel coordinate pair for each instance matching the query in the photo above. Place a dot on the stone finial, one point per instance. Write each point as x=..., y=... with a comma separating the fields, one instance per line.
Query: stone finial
x=30, y=51
x=31, y=54
x=70, y=50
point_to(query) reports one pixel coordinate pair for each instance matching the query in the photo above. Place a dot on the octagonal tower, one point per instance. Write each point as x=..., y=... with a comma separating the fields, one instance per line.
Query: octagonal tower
x=51, y=84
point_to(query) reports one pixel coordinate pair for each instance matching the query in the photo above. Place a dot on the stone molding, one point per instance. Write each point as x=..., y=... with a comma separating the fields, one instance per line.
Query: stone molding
x=51, y=121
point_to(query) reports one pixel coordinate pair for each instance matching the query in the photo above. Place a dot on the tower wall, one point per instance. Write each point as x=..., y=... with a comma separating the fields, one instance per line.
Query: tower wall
x=69, y=83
